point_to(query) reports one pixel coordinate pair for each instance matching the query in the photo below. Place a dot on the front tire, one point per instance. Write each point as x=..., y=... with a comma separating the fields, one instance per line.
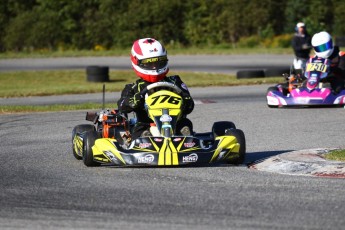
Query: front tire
x=89, y=141
x=77, y=147
x=242, y=141
x=272, y=89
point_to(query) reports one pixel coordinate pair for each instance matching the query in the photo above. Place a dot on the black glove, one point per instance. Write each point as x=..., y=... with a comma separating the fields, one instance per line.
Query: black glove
x=188, y=104
x=135, y=101
x=185, y=95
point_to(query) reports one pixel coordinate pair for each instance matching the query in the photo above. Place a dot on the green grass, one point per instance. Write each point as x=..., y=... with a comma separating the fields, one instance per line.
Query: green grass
x=51, y=108
x=336, y=155
x=220, y=49
x=7, y=109
x=44, y=83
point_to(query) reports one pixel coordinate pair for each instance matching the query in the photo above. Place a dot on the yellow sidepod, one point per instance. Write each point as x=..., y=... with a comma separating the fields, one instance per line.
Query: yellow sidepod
x=103, y=148
x=227, y=145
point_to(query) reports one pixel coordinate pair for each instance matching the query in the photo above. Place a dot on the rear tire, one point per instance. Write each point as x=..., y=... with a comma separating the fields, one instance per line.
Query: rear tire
x=242, y=141
x=89, y=141
x=219, y=128
x=97, y=73
x=250, y=74
x=276, y=72
x=78, y=150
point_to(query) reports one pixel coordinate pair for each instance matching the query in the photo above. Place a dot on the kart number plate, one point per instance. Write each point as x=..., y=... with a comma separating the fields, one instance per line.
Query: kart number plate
x=320, y=67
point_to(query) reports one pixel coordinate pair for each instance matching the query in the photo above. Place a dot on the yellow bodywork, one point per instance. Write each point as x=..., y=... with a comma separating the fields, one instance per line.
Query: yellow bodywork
x=167, y=150
x=164, y=99
x=228, y=147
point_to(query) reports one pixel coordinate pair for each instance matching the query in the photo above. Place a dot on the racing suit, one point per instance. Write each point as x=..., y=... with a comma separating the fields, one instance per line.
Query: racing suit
x=143, y=121
x=337, y=71
x=301, y=44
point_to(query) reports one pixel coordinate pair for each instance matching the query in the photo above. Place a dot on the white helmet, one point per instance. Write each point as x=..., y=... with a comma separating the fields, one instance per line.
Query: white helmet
x=149, y=59
x=300, y=24
x=322, y=44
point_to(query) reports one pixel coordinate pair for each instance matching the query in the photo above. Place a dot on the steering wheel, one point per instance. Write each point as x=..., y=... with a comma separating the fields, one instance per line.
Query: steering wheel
x=160, y=84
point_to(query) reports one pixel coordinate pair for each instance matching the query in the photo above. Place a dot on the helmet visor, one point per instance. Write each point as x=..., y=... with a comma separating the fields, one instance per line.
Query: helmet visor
x=153, y=63
x=324, y=47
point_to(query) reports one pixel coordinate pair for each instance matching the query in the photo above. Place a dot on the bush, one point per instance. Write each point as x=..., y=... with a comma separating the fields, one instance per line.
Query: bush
x=249, y=42
x=280, y=41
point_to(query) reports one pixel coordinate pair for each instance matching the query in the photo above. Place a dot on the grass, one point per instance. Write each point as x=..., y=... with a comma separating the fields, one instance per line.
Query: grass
x=336, y=155
x=60, y=82
x=220, y=49
x=44, y=83
x=7, y=109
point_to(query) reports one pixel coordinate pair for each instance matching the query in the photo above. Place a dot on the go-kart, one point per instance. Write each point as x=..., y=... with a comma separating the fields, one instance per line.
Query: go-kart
x=310, y=89
x=108, y=140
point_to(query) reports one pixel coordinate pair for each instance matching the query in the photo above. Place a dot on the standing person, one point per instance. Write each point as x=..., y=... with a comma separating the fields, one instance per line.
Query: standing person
x=150, y=63
x=301, y=44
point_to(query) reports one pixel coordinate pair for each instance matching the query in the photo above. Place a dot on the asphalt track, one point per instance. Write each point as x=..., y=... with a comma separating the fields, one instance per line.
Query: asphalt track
x=210, y=63
x=43, y=187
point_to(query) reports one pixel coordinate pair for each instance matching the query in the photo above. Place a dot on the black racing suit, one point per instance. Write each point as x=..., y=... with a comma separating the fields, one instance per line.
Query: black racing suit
x=143, y=121
x=337, y=71
x=301, y=45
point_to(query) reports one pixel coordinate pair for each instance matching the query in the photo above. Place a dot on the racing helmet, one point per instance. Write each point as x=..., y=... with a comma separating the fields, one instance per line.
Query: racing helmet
x=149, y=59
x=322, y=44
x=299, y=25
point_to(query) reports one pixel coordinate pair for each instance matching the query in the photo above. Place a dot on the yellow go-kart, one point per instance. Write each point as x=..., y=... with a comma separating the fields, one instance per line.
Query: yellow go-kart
x=108, y=140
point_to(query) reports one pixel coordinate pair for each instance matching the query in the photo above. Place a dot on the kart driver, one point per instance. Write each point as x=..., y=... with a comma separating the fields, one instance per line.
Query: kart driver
x=301, y=44
x=323, y=47
x=150, y=63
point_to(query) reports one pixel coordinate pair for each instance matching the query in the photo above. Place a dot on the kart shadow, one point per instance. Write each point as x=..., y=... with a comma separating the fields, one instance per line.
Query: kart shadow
x=312, y=107
x=251, y=158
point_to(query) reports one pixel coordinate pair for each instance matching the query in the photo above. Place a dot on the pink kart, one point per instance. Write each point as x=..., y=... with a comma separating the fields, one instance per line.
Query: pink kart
x=310, y=90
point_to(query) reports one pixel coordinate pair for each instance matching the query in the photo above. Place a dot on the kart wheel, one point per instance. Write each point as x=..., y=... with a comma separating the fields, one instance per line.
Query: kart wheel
x=77, y=148
x=220, y=127
x=272, y=89
x=276, y=72
x=242, y=141
x=250, y=74
x=97, y=73
x=89, y=141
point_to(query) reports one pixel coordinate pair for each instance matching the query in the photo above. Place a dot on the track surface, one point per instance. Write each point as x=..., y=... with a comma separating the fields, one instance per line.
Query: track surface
x=210, y=63
x=43, y=187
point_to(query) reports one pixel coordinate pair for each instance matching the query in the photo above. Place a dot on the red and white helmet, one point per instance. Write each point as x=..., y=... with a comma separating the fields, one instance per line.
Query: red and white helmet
x=149, y=59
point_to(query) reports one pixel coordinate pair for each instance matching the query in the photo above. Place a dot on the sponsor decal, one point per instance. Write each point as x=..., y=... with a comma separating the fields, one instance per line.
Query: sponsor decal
x=158, y=139
x=177, y=139
x=190, y=158
x=189, y=145
x=144, y=145
x=302, y=100
x=146, y=159
x=111, y=156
